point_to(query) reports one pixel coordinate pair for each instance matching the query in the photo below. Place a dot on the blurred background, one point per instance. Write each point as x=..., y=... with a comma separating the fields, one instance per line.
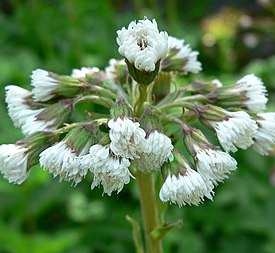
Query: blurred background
x=234, y=38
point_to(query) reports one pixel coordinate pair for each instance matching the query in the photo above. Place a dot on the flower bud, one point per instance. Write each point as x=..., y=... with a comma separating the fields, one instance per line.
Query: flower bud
x=62, y=159
x=17, y=159
x=180, y=58
x=184, y=185
x=211, y=163
x=143, y=46
x=48, y=85
x=117, y=72
x=248, y=93
x=233, y=129
x=264, y=140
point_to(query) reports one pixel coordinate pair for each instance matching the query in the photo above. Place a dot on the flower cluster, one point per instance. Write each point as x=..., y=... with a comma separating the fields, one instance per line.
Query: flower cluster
x=145, y=115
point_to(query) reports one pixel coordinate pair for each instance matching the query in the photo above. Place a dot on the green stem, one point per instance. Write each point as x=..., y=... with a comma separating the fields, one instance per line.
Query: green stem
x=149, y=210
x=97, y=100
x=104, y=91
x=142, y=96
x=177, y=104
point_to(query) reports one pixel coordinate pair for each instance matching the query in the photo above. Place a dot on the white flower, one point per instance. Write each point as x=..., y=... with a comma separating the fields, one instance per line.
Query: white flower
x=188, y=188
x=142, y=44
x=22, y=115
x=84, y=71
x=62, y=161
x=214, y=165
x=255, y=92
x=110, y=171
x=44, y=85
x=127, y=138
x=185, y=54
x=17, y=108
x=238, y=130
x=112, y=69
x=158, y=150
x=13, y=163
x=265, y=137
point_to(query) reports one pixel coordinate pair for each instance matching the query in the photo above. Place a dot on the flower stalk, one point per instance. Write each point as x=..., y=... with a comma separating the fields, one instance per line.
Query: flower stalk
x=150, y=212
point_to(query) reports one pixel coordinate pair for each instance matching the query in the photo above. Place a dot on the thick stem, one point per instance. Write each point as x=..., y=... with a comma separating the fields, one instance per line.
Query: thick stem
x=142, y=96
x=149, y=210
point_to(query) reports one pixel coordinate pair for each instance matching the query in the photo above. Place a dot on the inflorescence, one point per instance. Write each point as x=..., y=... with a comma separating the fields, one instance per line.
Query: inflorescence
x=135, y=117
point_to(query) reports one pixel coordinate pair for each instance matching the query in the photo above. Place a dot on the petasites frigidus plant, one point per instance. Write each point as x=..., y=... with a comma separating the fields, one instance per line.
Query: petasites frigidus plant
x=132, y=142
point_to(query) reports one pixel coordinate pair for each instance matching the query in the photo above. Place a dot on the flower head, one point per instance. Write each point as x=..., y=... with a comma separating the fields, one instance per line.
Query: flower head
x=180, y=57
x=62, y=159
x=265, y=137
x=233, y=129
x=30, y=119
x=17, y=159
x=13, y=163
x=109, y=170
x=211, y=163
x=127, y=138
x=142, y=44
x=84, y=71
x=238, y=131
x=158, y=150
x=188, y=188
x=117, y=71
x=184, y=185
x=18, y=109
x=48, y=85
x=255, y=92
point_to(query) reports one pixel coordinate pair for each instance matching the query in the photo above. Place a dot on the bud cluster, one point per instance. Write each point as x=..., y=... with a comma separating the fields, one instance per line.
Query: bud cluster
x=138, y=130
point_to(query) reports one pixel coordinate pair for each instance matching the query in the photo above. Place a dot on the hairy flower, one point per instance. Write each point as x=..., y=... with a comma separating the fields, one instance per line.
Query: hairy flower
x=265, y=137
x=13, y=163
x=213, y=164
x=180, y=57
x=44, y=85
x=157, y=150
x=16, y=99
x=110, y=171
x=237, y=130
x=255, y=92
x=117, y=71
x=185, y=188
x=48, y=85
x=84, y=71
x=21, y=113
x=142, y=44
x=127, y=138
x=61, y=160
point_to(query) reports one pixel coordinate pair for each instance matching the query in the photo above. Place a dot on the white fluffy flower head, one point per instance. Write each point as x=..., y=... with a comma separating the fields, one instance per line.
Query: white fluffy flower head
x=188, y=188
x=62, y=161
x=238, y=130
x=265, y=136
x=142, y=44
x=44, y=85
x=84, y=71
x=214, y=165
x=17, y=107
x=13, y=163
x=255, y=92
x=157, y=150
x=22, y=115
x=127, y=138
x=110, y=171
x=184, y=53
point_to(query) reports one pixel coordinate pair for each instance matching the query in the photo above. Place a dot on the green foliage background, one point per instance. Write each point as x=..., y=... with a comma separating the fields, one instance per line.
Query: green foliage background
x=234, y=38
